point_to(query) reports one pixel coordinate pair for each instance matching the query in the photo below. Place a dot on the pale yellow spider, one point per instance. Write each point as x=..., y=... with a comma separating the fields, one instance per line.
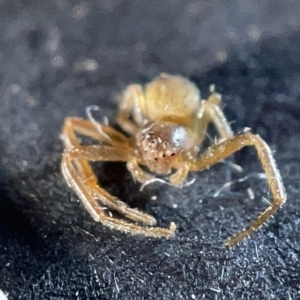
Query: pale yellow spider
x=165, y=122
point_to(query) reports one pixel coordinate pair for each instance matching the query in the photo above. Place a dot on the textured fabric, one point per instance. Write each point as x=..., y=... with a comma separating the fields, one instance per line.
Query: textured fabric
x=56, y=58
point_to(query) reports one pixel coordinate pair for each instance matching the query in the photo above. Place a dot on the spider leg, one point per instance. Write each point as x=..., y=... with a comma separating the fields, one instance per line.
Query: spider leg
x=210, y=111
x=87, y=128
x=86, y=195
x=220, y=151
x=84, y=171
x=131, y=104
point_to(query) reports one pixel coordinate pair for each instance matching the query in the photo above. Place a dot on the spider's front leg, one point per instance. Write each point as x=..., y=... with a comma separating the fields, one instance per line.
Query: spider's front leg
x=88, y=192
x=77, y=166
x=209, y=112
x=220, y=151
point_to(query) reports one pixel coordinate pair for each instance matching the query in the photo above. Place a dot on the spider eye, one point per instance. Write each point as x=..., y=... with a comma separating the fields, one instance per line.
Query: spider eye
x=178, y=135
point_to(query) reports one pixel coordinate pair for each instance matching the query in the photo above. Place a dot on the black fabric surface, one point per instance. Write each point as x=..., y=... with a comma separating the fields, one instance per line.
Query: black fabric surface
x=57, y=57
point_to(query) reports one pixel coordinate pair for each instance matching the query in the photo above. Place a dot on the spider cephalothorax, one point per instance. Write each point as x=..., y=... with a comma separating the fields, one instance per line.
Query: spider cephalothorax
x=161, y=145
x=166, y=122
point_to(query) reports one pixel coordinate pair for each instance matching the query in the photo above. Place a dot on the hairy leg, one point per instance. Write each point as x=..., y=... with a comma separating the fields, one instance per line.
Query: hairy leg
x=220, y=151
x=80, y=156
x=87, y=196
x=85, y=127
x=131, y=105
x=210, y=112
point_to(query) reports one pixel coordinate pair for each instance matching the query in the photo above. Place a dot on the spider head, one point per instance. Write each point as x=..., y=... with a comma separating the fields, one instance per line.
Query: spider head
x=161, y=144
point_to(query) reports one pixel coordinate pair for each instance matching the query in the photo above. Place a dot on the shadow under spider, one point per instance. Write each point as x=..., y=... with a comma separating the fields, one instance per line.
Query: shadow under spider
x=116, y=179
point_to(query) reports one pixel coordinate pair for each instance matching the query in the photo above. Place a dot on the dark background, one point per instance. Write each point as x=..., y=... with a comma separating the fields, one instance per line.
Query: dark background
x=57, y=57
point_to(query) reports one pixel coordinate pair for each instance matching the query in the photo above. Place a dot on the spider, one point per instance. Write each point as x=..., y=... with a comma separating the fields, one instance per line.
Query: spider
x=165, y=123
